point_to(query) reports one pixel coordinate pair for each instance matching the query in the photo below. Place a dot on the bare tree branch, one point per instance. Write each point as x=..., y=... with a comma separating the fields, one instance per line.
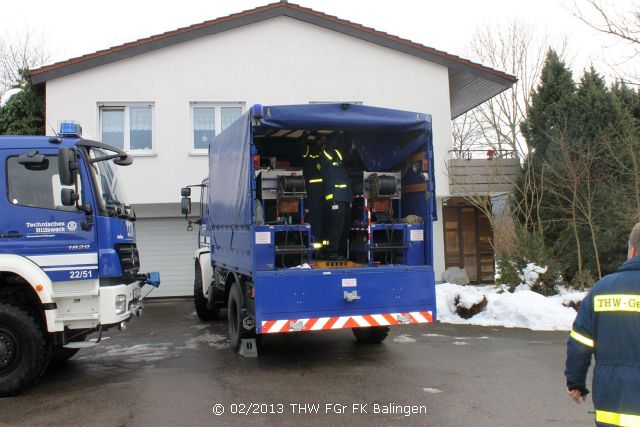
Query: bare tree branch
x=17, y=52
x=516, y=49
x=621, y=25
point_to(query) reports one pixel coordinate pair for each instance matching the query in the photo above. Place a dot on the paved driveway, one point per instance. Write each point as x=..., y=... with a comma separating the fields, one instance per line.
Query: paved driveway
x=169, y=368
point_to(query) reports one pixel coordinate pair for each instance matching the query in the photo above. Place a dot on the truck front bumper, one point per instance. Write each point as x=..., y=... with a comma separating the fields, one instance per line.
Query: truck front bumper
x=119, y=303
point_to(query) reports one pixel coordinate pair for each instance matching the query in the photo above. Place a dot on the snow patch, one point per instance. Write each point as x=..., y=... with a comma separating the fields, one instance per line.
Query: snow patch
x=470, y=298
x=530, y=275
x=431, y=390
x=433, y=335
x=217, y=341
x=405, y=339
x=567, y=296
x=521, y=309
x=460, y=343
x=146, y=353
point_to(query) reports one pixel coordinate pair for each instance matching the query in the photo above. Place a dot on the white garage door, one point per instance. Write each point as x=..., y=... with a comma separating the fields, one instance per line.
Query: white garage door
x=166, y=246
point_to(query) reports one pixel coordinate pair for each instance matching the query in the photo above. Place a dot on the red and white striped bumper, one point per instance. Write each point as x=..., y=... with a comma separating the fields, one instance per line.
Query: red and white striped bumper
x=360, y=321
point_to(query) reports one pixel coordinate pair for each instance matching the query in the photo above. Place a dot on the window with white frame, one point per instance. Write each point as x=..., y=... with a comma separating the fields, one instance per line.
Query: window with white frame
x=129, y=127
x=209, y=119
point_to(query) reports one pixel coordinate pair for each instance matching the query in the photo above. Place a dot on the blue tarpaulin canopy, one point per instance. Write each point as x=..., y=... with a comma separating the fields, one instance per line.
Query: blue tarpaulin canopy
x=345, y=117
x=382, y=137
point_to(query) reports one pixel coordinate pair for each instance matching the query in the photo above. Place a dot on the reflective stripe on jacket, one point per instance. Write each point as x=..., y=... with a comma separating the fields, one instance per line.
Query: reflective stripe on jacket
x=337, y=186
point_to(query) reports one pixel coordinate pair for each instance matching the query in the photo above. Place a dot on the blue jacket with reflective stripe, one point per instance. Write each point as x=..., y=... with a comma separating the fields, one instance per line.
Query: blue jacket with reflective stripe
x=613, y=336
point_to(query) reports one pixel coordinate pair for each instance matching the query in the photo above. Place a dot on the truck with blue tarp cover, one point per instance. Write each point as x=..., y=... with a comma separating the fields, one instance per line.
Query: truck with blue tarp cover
x=317, y=217
x=69, y=265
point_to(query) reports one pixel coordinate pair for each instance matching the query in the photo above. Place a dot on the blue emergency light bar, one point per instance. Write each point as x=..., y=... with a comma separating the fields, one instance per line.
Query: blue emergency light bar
x=70, y=129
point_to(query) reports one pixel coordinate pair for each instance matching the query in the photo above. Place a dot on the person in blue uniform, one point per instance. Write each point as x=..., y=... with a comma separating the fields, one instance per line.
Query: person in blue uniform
x=337, y=197
x=608, y=327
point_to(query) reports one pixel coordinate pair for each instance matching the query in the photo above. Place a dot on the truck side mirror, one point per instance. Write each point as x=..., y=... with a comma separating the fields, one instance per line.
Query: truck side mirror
x=69, y=197
x=185, y=191
x=67, y=166
x=185, y=205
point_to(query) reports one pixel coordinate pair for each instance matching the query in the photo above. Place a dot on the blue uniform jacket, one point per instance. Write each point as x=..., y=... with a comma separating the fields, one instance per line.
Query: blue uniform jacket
x=608, y=326
x=337, y=185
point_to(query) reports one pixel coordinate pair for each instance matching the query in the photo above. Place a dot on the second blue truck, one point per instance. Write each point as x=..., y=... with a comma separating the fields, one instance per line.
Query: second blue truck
x=264, y=253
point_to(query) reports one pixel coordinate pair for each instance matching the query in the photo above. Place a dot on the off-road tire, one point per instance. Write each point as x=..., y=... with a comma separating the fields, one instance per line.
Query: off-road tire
x=200, y=301
x=25, y=350
x=371, y=335
x=235, y=307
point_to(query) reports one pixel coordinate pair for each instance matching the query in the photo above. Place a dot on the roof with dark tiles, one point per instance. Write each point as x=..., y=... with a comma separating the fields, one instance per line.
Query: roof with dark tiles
x=471, y=83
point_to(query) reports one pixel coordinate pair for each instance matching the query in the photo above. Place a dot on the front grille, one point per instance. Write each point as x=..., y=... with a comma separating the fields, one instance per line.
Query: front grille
x=129, y=259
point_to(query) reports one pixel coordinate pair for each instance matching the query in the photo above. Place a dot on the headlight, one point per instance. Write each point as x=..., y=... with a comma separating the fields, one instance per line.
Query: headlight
x=121, y=304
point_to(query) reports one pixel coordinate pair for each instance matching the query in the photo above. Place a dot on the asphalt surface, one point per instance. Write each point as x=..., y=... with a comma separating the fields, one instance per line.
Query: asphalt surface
x=169, y=368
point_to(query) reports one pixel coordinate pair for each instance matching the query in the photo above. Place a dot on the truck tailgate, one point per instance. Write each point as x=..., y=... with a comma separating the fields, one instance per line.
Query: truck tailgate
x=315, y=299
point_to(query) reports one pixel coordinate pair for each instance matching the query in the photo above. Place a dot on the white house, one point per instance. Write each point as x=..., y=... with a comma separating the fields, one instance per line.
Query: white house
x=163, y=97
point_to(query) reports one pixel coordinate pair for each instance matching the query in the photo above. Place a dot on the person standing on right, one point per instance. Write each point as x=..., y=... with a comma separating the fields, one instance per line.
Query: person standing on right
x=608, y=326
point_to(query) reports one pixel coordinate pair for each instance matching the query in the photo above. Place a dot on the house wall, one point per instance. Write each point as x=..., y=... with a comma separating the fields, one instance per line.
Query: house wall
x=279, y=61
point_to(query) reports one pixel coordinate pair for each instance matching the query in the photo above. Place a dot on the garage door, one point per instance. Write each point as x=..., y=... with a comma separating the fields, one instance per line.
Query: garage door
x=166, y=246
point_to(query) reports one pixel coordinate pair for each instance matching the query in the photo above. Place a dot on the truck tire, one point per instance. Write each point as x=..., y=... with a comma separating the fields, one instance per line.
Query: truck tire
x=24, y=351
x=235, y=307
x=200, y=301
x=372, y=335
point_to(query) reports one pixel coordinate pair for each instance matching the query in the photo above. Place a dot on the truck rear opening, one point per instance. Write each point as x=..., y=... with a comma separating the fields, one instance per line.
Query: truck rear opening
x=321, y=217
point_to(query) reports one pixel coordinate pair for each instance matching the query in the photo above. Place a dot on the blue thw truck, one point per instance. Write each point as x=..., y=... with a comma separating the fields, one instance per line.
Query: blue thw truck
x=69, y=265
x=261, y=255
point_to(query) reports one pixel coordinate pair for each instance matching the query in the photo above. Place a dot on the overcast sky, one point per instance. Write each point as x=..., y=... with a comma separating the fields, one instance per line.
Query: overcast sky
x=76, y=27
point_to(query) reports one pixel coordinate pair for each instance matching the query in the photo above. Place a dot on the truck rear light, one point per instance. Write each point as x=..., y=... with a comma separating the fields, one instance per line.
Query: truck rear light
x=256, y=162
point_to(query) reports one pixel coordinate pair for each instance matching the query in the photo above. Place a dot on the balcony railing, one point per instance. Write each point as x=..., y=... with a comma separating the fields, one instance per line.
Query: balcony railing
x=487, y=154
x=482, y=172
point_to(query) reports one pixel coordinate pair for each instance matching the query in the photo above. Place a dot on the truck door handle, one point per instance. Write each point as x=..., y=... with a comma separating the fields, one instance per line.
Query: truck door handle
x=11, y=234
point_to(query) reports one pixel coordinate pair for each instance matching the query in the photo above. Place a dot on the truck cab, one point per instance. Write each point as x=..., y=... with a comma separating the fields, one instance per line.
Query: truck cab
x=69, y=265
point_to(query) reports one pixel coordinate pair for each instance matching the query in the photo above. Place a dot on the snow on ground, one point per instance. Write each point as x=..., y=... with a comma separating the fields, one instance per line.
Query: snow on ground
x=404, y=339
x=212, y=340
x=135, y=353
x=530, y=275
x=521, y=309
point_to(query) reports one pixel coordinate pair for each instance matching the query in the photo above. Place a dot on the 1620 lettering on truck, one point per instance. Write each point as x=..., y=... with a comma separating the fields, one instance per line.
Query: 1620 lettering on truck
x=317, y=217
x=69, y=265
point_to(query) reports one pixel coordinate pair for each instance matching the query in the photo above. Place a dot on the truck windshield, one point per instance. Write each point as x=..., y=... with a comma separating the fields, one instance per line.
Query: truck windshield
x=110, y=190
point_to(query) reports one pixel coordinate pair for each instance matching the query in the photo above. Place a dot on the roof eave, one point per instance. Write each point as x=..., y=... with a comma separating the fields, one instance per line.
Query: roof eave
x=455, y=64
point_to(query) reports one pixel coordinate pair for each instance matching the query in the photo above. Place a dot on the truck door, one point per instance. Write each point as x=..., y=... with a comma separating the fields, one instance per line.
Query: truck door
x=35, y=224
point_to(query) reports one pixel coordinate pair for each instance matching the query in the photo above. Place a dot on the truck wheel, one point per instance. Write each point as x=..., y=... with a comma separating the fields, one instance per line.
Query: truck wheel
x=235, y=309
x=372, y=335
x=204, y=313
x=24, y=354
